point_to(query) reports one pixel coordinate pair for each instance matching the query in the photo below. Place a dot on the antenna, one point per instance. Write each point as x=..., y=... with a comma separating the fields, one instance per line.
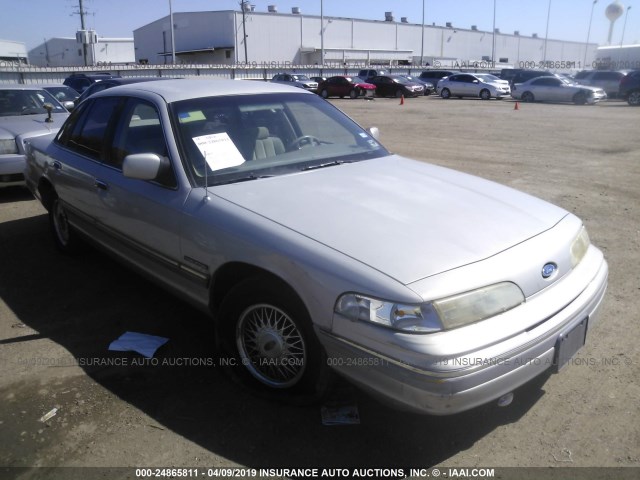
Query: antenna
x=206, y=178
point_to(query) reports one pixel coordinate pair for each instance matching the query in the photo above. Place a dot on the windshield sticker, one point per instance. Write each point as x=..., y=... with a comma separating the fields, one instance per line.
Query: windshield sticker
x=186, y=117
x=219, y=151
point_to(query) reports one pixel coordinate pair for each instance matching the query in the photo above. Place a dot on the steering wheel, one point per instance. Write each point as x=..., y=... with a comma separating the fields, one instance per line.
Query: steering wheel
x=308, y=140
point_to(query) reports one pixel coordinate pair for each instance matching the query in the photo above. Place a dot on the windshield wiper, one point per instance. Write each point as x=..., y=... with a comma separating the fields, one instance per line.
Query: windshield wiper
x=322, y=165
x=243, y=179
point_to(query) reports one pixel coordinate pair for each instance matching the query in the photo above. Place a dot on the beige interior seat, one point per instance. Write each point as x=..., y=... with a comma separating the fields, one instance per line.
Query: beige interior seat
x=266, y=145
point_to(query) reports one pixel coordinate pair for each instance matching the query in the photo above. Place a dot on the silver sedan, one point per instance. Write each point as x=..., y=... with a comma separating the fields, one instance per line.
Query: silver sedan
x=556, y=89
x=315, y=249
x=482, y=86
x=23, y=115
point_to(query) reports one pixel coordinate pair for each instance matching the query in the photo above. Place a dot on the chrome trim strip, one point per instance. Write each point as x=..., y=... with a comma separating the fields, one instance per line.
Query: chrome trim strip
x=180, y=268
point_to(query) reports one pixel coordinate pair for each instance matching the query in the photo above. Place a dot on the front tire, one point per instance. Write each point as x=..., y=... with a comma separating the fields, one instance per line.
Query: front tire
x=634, y=98
x=528, y=97
x=353, y=94
x=485, y=94
x=324, y=93
x=267, y=332
x=580, y=98
x=445, y=93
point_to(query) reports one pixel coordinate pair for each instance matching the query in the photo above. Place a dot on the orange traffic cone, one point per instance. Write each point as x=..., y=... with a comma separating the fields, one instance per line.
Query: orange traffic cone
x=402, y=100
x=517, y=106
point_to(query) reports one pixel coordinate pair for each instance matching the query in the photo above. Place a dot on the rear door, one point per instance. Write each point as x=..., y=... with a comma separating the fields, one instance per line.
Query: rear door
x=78, y=161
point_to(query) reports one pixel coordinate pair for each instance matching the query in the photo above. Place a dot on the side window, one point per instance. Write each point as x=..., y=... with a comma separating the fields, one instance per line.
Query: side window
x=88, y=133
x=140, y=131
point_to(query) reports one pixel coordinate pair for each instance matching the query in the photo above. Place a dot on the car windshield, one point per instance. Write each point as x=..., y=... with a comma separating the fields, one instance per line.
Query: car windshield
x=236, y=138
x=26, y=102
x=487, y=77
x=63, y=94
x=399, y=79
x=299, y=78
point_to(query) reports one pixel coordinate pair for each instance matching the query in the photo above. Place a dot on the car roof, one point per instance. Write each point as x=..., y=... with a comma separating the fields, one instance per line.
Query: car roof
x=127, y=80
x=184, y=89
x=14, y=86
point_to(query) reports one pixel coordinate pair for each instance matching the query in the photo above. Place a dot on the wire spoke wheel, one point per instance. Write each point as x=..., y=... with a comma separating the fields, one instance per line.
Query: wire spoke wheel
x=271, y=346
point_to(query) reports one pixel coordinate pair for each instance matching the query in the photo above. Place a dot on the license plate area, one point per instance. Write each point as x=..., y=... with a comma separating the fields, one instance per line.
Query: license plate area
x=569, y=343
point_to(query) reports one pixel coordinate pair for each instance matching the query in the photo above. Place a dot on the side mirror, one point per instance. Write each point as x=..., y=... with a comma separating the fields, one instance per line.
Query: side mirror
x=142, y=166
x=374, y=132
x=48, y=107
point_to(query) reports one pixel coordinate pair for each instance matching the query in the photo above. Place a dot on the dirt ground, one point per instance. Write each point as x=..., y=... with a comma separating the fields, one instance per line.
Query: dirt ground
x=58, y=316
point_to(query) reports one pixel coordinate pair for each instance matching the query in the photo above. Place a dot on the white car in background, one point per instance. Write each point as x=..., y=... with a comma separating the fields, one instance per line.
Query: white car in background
x=556, y=89
x=484, y=86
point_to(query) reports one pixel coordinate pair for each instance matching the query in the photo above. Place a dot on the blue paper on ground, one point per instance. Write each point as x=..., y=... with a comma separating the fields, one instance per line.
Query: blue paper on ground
x=138, y=342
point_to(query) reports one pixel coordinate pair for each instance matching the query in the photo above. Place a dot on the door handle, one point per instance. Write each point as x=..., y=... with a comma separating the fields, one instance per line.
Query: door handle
x=101, y=185
x=56, y=165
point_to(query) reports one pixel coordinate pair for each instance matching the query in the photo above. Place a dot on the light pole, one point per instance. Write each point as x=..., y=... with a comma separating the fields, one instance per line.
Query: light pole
x=624, y=27
x=321, y=34
x=173, y=41
x=546, y=35
x=493, y=44
x=422, y=44
x=586, y=46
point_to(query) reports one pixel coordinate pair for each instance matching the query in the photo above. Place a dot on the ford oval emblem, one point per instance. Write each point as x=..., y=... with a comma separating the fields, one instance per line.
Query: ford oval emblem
x=549, y=269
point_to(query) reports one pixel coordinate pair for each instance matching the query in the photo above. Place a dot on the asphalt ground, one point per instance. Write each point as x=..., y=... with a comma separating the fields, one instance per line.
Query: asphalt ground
x=58, y=316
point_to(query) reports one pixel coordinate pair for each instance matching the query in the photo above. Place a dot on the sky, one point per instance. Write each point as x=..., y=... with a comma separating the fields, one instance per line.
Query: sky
x=33, y=21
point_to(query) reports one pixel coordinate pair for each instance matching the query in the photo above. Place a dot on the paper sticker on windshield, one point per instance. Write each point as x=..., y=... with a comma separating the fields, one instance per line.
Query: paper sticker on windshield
x=219, y=151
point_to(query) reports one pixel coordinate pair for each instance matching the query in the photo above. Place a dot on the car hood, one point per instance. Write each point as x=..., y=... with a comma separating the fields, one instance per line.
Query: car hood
x=30, y=125
x=408, y=219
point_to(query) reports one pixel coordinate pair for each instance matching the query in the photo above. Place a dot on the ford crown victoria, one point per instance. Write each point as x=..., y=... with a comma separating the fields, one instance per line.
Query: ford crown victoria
x=315, y=249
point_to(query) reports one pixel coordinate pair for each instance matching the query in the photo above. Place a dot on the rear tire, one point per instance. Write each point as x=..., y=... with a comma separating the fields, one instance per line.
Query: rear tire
x=267, y=336
x=64, y=236
x=399, y=93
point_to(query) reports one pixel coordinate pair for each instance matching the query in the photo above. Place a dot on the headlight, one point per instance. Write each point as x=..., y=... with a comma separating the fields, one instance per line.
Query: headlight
x=444, y=314
x=579, y=247
x=8, y=146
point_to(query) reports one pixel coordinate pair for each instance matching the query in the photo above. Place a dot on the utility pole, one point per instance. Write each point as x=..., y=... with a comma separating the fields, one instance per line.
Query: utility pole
x=243, y=5
x=82, y=13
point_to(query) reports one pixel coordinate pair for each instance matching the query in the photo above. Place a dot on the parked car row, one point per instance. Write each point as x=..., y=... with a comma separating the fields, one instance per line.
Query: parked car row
x=528, y=85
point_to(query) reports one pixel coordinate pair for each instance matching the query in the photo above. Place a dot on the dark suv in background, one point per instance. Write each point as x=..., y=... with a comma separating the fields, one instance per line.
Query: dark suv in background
x=629, y=89
x=81, y=81
x=434, y=76
x=608, y=80
x=521, y=75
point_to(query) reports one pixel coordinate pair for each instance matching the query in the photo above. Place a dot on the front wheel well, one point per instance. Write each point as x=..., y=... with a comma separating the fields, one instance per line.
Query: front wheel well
x=234, y=273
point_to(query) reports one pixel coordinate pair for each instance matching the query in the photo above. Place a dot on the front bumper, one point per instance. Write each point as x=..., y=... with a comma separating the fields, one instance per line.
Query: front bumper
x=456, y=384
x=12, y=170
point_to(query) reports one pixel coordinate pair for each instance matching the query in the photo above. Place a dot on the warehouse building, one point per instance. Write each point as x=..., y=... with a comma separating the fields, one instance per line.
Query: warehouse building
x=69, y=52
x=13, y=52
x=262, y=38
